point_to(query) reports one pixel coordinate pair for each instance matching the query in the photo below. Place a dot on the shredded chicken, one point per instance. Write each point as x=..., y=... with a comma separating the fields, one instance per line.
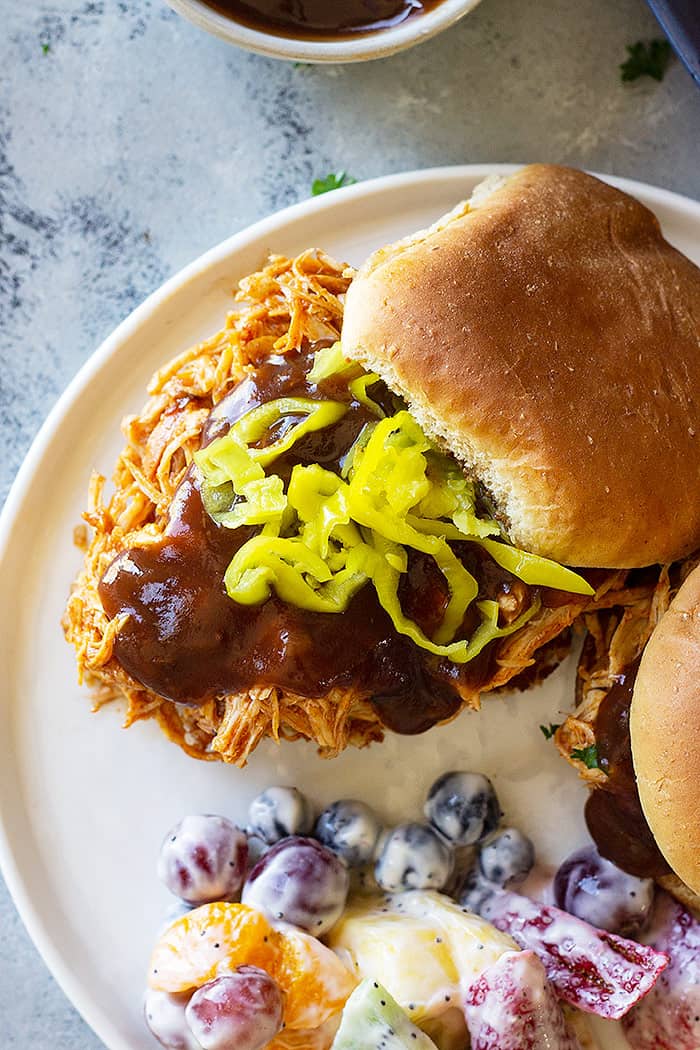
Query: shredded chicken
x=275, y=310
x=615, y=638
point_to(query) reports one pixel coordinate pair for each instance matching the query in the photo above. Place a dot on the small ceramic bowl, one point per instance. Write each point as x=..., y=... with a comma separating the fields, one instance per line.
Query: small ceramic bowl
x=353, y=48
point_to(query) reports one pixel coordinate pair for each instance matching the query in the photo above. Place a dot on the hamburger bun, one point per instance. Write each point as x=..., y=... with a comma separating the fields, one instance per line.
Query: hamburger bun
x=549, y=337
x=664, y=723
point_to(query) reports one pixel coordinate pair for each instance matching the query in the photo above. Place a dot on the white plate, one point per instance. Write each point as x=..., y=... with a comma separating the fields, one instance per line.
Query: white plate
x=84, y=805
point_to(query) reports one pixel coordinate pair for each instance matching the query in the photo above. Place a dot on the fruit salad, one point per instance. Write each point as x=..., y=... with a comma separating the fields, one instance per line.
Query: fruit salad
x=333, y=932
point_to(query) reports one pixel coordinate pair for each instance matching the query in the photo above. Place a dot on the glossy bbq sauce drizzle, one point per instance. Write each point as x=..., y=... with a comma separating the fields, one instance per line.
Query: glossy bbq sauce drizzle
x=188, y=641
x=614, y=812
x=321, y=19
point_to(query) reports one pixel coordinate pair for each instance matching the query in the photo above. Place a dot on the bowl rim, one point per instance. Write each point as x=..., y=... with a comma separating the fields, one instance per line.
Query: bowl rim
x=378, y=44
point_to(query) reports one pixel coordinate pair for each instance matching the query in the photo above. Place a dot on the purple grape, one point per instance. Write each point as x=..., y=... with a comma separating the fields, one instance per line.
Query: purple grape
x=351, y=829
x=507, y=858
x=241, y=1011
x=279, y=812
x=165, y=1018
x=203, y=859
x=413, y=857
x=301, y=882
x=593, y=889
x=463, y=807
x=475, y=892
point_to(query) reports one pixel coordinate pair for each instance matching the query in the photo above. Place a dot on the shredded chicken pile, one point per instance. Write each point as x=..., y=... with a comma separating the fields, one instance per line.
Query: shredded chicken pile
x=275, y=309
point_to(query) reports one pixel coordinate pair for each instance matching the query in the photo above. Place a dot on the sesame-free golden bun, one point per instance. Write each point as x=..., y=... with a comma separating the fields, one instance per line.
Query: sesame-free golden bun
x=548, y=335
x=664, y=722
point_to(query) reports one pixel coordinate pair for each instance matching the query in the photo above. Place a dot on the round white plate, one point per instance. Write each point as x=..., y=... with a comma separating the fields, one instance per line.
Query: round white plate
x=84, y=804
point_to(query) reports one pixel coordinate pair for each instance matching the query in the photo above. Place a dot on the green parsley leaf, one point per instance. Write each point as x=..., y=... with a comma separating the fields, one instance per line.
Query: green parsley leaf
x=549, y=731
x=45, y=48
x=646, y=60
x=334, y=181
x=587, y=755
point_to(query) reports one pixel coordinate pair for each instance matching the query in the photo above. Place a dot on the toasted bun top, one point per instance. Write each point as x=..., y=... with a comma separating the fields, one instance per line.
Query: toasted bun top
x=665, y=724
x=549, y=336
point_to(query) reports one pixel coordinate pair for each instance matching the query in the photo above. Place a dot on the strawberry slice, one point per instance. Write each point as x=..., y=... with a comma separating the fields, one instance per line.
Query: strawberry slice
x=669, y=1018
x=596, y=971
x=512, y=1006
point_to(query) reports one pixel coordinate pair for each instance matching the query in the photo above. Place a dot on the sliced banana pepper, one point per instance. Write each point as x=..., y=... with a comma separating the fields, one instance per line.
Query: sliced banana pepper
x=329, y=535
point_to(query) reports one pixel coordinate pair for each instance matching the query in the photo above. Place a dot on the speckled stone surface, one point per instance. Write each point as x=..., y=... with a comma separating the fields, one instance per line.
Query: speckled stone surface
x=130, y=142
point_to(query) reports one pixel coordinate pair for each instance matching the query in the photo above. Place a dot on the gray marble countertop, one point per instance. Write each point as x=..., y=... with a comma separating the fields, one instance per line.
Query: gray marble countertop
x=130, y=142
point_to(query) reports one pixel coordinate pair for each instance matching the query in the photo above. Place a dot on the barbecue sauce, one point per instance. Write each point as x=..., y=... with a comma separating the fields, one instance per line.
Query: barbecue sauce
x=320, y=19
x=188, y=641
x=613, y=811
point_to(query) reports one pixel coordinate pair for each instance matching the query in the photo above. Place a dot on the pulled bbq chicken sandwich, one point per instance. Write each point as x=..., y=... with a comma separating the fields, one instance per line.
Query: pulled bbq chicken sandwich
x=633, y=734
x=321, y=535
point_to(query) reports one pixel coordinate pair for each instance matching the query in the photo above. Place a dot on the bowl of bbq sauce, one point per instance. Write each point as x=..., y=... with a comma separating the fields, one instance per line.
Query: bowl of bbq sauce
x=324, y=30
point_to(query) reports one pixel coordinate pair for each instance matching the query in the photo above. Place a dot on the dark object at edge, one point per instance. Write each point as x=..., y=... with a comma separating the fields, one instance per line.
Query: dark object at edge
x=680, y=21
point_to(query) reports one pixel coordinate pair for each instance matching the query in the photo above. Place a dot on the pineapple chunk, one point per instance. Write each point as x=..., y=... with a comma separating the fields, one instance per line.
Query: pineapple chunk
x=423, y=947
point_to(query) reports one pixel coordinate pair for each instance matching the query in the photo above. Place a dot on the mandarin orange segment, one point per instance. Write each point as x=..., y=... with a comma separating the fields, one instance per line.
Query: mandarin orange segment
x=210, y=941
x=314, y=979
x=306, y=1038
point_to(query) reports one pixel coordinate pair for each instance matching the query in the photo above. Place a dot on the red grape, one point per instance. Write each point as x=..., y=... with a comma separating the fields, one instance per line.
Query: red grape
x=593, y=889
x=241, y=1011
x=203, y=859
x=301, y=882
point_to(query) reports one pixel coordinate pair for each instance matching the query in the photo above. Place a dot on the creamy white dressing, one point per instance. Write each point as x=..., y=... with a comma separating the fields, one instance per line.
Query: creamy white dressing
x=539, y=885
x=165, y=1016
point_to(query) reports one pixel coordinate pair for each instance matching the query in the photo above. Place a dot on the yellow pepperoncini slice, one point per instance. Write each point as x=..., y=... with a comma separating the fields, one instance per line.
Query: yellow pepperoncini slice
x=263, y=503
x=252, y=427
x=451, y=496
x=329, y=534
x=320, y=499
x=358, y=388
x=389, y=479
x=331, y=361
x=235, y=490
x=297, y=574
x=488, y=629
x=532, y=569
x=347, y=463
x=376, y=562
